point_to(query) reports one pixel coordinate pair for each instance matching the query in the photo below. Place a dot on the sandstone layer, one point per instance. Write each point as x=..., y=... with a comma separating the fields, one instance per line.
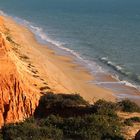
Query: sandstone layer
x=17, y=100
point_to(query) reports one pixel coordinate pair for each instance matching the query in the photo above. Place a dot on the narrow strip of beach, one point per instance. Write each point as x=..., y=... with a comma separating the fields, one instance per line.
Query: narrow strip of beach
x=61, y=74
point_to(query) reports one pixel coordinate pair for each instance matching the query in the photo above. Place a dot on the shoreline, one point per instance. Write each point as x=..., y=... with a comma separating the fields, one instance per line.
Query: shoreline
x=59, y=72
x=103, y=69
x=78, y=78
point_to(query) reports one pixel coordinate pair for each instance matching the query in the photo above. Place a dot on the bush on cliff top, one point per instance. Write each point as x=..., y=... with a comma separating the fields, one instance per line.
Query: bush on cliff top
x=127, y=106
x=98, y=121
x=64, y=104
x=132, y=120
x=62, y=100
x=103, y=107
x=89, y=127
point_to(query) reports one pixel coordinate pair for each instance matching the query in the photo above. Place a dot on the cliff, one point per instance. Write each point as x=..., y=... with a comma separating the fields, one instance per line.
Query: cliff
x=17, y=99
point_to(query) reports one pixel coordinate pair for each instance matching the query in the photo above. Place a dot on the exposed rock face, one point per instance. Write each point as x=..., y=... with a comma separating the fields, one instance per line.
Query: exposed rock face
x=16, y=102
x=17, y=99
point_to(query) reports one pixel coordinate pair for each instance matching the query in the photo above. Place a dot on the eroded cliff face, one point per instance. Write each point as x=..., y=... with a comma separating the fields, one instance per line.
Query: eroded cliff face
x=17, y=99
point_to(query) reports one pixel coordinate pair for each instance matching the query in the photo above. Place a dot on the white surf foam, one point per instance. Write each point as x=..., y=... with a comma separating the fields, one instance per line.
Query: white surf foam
x=41, y=35
x=3, y=13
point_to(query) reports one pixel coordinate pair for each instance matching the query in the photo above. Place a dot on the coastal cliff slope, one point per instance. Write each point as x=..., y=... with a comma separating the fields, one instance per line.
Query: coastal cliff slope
x=17, y=100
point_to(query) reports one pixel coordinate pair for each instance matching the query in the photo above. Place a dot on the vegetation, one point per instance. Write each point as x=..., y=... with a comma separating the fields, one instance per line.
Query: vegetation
x=128, y=122
x=65, y=117
x=24, y=57
x=103, y=107
x=9, y=38
x=61, y=104
x=30, y=130
x=63, y=100
x=128, y=106
x=132, y=120
x=89, y=127
x=135, y=119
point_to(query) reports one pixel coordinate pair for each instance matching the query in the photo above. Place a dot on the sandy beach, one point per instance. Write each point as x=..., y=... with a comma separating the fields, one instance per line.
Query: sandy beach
x=47, y=70
x=58, y=72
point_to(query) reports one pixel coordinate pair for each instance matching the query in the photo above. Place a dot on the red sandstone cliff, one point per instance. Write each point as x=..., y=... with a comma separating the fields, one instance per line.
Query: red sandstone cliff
x=17, y=99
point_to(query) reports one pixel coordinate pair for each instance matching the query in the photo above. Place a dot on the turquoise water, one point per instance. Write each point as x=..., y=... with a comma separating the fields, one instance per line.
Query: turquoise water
x=103, y=34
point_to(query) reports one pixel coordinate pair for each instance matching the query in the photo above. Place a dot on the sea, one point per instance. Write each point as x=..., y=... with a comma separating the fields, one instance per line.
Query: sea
x=101, y=35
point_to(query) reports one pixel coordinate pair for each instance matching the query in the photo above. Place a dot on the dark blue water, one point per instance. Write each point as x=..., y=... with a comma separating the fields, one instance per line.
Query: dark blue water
x=103, y=31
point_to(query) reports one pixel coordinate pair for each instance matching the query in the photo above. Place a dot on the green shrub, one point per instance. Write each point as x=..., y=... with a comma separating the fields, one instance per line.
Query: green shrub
x=128, y=106
x=63, y=100
x=1, y=135
x=32, y=131
x=128, y=122
x=52, y=120
x=92, y=127
x=87, y=127
x=132, y=120
x=9, y=39
x=103, y=107
x=135, y=119
x=60, y=104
